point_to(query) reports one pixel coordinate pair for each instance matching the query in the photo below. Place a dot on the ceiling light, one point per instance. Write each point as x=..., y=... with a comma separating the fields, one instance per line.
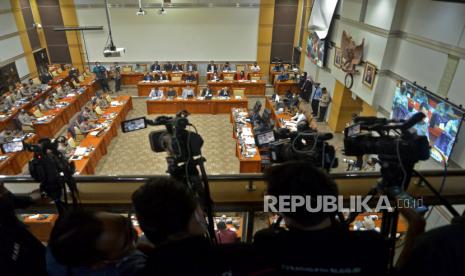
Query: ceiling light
x=238, y=5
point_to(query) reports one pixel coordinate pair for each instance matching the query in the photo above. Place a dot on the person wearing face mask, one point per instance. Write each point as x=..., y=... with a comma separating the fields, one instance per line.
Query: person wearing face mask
x=90, y=243
x=102, y=76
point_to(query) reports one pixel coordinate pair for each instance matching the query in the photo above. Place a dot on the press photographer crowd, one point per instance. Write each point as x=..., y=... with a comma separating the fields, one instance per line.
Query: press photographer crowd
x=177, y=233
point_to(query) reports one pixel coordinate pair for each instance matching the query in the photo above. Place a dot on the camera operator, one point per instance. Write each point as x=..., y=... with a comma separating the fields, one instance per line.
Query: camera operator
x=20, y=252
x=315, y=242
x=92, y=243
x=170, y=217
x=437, y=252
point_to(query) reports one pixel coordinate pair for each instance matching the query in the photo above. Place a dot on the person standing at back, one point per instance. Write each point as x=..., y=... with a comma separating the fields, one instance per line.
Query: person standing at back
x=316, y=99
x=117, y=76
x=324, y=103
x=102, y=76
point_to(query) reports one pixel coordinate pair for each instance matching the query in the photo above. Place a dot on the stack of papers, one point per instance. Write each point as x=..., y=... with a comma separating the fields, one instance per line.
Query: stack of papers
x=80, y=151
x=115, y=103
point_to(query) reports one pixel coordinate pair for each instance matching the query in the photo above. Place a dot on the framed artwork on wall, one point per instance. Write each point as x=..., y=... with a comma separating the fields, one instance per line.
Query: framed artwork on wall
x=337, y=57
x=369, y=74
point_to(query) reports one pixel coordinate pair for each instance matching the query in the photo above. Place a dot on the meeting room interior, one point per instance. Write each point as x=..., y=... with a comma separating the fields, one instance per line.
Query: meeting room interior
x=98, y=97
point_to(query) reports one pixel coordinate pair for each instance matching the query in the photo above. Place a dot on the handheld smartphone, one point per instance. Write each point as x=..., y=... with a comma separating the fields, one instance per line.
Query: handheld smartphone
x=133, y=124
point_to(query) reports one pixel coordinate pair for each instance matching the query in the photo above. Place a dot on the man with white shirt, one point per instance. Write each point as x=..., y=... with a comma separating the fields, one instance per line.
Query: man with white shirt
x=156, y=93
x=255, y=67
x=188, y=92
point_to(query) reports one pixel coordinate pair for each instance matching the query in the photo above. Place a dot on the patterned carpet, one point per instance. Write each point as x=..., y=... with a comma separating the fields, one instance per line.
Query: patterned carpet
x=130, y=153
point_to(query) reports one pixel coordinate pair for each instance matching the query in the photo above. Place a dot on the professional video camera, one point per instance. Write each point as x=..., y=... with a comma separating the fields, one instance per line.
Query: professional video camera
x=185, y=160
x=304, y=145
x=397, y=147
x=51, y=168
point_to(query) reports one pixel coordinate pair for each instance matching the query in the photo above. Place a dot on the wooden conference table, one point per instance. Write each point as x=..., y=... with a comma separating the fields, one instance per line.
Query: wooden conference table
x=17, y=160
x=251, y=88
x=281, y=87
x=275, y=116
x=87, y=164
x=194, y=106
x=6, y=118
x=62, y=116
x=246, y=164
x=133, y=78
x=143, y=88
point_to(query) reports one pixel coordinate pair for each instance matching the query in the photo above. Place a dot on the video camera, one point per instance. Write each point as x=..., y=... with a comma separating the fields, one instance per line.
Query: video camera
x=184, y=158
x=304, y=145
x=397, y=147
x=51, y=168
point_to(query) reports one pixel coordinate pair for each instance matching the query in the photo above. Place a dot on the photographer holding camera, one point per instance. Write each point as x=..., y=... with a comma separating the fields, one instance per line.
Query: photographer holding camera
x=314, y=241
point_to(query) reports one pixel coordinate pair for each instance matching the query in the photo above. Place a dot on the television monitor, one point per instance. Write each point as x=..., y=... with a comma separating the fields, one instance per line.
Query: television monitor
x=264, y=138
x=442, y=122
x=316, y=49
x=133, y=124
x=14, y=146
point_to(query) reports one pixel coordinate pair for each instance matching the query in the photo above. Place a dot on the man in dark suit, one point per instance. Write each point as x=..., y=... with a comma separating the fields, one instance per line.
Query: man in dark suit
x=177, y=67
x=168, y=66
x=155, y=66
x=223, y=92
x=207, y=92
x=212, y=67
x=148, y=77
x=191, y=67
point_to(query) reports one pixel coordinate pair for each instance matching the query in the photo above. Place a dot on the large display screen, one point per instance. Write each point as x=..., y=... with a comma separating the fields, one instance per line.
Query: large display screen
x=316, y=49
x=442, y=122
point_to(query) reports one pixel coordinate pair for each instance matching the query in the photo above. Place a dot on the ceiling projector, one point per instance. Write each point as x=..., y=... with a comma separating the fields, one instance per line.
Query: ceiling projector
x=116, y=52
x=141, y=12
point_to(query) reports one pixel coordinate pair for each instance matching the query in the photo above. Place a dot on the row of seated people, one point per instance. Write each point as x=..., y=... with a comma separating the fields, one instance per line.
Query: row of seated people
x=174, y=240
x=87, y=118
x=233, y=76
x=280, y=67
x=21, y=94
x=52, y=102
x=189, y=77
x=189, y=92
x=191, y=67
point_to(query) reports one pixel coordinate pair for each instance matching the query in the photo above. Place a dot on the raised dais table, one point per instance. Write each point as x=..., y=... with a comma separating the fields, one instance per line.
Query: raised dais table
x=194, y=106
x=99, y=144
x=251, y=88
x=143, y=88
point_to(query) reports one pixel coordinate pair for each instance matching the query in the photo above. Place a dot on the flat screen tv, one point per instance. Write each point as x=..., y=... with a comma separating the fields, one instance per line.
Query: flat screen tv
x=443, y=119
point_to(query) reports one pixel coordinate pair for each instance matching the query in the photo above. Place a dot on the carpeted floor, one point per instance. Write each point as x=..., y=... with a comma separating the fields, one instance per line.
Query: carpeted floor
x=130, y=153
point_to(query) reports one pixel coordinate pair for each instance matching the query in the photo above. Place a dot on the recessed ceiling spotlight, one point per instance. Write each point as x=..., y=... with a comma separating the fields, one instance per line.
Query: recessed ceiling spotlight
x=210, y=5
x=238, y=5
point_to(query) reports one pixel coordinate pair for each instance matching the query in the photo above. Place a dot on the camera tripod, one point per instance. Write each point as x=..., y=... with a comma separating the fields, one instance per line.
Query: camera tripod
x=188, y=173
